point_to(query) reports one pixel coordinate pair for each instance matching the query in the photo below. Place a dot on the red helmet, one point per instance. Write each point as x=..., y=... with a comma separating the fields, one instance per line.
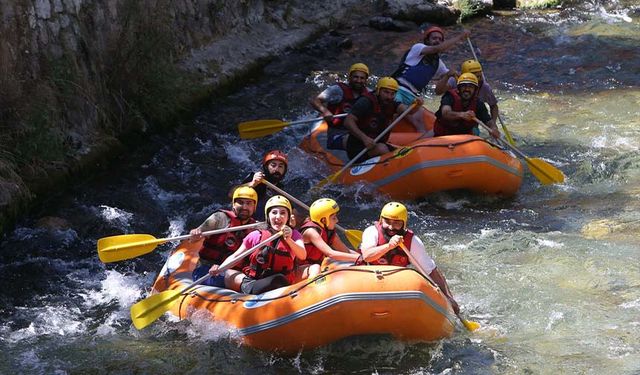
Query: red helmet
x=275, y=155
x=433, y=29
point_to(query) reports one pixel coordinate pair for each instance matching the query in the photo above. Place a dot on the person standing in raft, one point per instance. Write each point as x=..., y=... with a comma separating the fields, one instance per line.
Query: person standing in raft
x=420, y=65
x=485, y=92
x=339, y=98
x=216, y=248
x=459, y=109
x=380, y=245
x=370, y=116
x=271, y=266
x=274, y=169
x=321, y=240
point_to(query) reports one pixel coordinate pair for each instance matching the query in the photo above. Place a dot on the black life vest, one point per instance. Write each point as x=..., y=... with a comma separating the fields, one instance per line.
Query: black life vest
x=275, y=257
x=395, y=256
x=446, y=127
x=315, y=255
x=348, y=98
x=216, y=248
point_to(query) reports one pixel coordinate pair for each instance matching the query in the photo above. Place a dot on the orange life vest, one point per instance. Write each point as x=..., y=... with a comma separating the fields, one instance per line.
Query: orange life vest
x=216, y=248
x=275, y=257
x=315, y=255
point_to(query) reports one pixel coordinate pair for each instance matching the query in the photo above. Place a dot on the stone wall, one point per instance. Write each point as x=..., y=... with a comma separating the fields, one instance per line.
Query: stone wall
x=76, y=75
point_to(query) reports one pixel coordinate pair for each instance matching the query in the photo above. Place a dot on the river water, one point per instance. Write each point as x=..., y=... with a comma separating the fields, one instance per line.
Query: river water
x=552, y=274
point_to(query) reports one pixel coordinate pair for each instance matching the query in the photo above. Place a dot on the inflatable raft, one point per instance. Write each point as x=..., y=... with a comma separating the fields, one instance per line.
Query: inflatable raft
x=342, y=301
x=418, y=167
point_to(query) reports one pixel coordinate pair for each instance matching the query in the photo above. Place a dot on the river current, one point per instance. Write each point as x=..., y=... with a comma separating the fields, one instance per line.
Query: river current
x=552, y=274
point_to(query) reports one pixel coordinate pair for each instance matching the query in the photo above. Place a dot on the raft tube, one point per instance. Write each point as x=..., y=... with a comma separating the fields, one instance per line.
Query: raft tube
x=342, y=301
x=418, y=167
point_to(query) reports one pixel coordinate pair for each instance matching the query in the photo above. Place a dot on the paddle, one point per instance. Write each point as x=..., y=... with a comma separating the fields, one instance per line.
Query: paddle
x=484, y=78
x=151, y=308
x=543, y=171
x=334, y=176
x=127, y=246
x=354, y=236
x=470, y=325
x=262, y=128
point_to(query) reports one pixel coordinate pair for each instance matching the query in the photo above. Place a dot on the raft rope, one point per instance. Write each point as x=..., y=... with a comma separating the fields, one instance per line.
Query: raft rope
x=309, y=282
x=403, y=150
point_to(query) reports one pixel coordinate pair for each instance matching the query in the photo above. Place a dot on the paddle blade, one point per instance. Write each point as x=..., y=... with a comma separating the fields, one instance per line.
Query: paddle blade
x=125, y=246
x=354, y=237
x=259, y=128
x=151, y=308
x=470, y=325
x=545, y=172
x=327, y=180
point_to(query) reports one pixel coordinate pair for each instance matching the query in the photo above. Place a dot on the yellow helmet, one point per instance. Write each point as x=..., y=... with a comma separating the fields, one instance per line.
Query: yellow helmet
x=245, y=192
x=387, y=83
x=467, y=78
x=472, y=66
x=359, y=67
x=323, y=208
x=277, y=201
x=395, y=211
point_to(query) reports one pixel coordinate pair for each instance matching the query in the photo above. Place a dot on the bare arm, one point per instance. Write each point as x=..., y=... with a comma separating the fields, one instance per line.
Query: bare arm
x=442, y=85
x=376, y=252
x=450, y=115
x=319, y=105
x=439, y=279
x=352, y=127
x=446, y=44
x=312, y=236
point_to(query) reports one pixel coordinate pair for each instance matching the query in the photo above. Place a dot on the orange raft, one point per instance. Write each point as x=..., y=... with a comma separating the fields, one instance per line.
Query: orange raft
x=342, y=301
x=422, y=166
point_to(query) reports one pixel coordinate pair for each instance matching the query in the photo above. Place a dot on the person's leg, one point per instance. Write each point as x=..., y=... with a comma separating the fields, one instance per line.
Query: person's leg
x=259, y=286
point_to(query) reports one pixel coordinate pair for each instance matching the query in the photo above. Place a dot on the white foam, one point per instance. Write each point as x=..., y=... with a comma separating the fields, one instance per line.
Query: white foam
x=549, y=243
x=115, y=215
x=50, y=320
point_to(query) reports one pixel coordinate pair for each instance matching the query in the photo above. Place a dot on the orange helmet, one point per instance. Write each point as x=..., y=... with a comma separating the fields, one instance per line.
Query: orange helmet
x=275, y=155
x=433, y=29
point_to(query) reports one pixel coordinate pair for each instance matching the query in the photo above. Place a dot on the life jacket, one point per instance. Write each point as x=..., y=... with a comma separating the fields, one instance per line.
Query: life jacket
x=348, y=98
x=377, y=120
x=216, y=248
x=395, y=256
x=270, y=259
x=420, y=74
x=446, y=127
x=314, y=255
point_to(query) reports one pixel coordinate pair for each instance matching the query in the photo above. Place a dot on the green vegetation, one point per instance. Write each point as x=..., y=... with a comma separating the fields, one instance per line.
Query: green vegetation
x=468, y=8
x=537, y=4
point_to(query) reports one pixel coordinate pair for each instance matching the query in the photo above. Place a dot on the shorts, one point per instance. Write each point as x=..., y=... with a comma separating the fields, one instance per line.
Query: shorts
x=404, y=96
x=355, y=146
x=203, y=269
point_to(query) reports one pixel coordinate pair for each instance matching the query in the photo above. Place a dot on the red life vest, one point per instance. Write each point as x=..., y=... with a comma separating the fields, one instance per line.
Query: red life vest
x=273, y=258
x=377, y=120
x=315, y=255
x=446, y=127
x=348, y=98
x=395, y=256
x=216, y=248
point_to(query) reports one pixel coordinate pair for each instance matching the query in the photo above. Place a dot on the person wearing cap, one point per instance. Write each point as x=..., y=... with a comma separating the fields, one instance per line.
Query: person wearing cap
x=216, y=248
x=421, y=64
x=271, y=266
x=381, y=245
x=485, y=92
x=339, y=98
x=274, y=168
x=320, y=238
x=460, y=107
x=370, y=116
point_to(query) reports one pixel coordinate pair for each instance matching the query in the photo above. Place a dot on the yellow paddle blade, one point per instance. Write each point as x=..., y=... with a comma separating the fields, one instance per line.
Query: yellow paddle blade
x=327, y=180
x=260, y=128
x=507, y=135
x=470, y=325
x=151, y=308
x=545, y=172
x=354, y=237
x=126, y=246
